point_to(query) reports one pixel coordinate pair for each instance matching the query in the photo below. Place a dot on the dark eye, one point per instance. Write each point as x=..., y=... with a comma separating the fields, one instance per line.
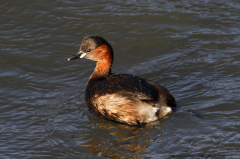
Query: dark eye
x=88, y=50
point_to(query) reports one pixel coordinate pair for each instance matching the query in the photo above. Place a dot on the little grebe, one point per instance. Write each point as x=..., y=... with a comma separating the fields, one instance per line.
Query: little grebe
x=123, y=98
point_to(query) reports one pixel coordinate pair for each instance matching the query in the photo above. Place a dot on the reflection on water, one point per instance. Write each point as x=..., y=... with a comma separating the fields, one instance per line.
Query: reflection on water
x=116, y=140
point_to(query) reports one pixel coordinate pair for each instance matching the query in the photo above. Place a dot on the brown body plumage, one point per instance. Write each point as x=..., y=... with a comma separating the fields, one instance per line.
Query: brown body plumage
x=123, y=98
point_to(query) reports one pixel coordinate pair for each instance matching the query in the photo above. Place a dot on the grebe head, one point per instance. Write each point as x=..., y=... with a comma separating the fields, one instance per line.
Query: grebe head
x=94, y=48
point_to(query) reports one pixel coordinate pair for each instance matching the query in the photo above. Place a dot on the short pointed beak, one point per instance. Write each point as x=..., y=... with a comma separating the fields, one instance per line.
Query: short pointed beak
x=77, y=56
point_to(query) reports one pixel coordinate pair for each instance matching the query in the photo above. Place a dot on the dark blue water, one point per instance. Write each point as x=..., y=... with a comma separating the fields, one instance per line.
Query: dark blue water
x=190, y=47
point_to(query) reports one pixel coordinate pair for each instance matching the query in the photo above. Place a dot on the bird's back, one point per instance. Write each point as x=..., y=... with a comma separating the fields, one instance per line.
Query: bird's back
x=127, y=99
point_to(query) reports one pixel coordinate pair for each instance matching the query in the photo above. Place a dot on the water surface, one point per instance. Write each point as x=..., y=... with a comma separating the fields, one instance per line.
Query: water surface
x=190, y=47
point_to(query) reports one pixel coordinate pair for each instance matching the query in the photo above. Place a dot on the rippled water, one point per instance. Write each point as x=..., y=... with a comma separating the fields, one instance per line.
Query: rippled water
x=190, y=47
